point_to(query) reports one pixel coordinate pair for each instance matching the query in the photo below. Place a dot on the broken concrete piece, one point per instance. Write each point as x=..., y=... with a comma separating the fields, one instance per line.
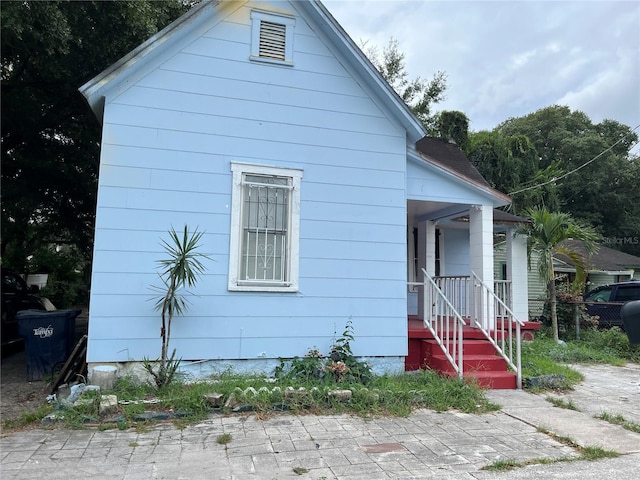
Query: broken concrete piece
x=104, y=376
x=291, y=394
x=216, y=400
x=108, y=404
x=341, y=395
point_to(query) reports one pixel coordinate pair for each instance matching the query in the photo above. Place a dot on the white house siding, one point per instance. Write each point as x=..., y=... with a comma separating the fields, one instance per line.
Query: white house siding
x=168, y=142
x=600, y=279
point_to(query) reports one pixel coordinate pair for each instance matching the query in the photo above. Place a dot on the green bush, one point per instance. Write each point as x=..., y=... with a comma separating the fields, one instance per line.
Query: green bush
x=340, y=366
x=566, y=304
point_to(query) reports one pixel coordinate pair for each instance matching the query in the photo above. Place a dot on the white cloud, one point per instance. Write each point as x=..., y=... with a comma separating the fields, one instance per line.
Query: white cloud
x=506, y=59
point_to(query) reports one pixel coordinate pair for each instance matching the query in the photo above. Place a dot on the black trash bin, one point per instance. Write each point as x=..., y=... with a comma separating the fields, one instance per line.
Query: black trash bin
x=630, y=313
x=48, y=339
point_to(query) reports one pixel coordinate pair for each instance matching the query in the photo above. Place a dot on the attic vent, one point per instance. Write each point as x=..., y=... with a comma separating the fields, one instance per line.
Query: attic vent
x=272, y=40
x=272, y=37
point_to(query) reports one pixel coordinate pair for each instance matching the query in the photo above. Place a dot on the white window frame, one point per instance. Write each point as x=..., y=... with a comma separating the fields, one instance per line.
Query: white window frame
x=288, y=21
x=291, y=281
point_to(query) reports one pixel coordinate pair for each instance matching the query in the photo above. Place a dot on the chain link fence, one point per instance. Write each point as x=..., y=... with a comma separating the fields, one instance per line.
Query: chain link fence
x=576, y=315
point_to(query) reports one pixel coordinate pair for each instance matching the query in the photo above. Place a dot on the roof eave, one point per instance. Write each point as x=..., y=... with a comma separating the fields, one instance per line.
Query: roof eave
x=500, y=198
x=95, y=90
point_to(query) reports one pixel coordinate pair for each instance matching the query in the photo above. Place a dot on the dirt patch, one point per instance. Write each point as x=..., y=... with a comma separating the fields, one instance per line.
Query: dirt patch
x=17, y=395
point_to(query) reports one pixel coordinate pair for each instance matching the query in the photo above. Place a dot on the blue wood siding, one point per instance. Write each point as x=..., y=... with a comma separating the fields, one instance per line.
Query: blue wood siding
x=456, y=251
x=425, y=183
x=168, y=142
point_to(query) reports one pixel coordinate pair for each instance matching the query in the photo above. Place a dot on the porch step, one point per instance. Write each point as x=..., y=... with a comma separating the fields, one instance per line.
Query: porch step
x=494, y=380
x=470, y=363
x=480, y=362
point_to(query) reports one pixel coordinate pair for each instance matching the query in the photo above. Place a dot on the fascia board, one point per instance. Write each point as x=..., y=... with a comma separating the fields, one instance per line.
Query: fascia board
x=123, y=73
x=498, y=199
x=370, y=75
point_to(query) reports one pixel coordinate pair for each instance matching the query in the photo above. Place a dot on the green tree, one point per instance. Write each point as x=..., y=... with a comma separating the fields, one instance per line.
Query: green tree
x=452, y=125
x=546, y=233
x=510, y=163
x=603, y=191
x=417, y=93
x=50, y=138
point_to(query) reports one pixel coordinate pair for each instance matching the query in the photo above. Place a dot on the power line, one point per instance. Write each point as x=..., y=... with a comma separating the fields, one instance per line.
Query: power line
x=555, y=179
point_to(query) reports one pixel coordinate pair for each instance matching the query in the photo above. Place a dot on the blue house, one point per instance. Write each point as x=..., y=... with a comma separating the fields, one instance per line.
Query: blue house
x=264, y=125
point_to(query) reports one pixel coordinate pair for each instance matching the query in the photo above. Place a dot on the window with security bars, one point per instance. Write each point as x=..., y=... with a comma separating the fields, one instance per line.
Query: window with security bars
x=265, y=228
x=272, y=37
x=265, y=225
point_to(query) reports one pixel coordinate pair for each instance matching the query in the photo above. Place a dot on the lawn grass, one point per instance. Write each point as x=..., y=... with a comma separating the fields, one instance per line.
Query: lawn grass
x=396, y=395
x=544, y=356
x=393, y=395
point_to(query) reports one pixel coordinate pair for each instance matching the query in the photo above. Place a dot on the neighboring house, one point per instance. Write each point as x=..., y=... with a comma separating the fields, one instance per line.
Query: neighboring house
x=604, y=267
x=265, y=126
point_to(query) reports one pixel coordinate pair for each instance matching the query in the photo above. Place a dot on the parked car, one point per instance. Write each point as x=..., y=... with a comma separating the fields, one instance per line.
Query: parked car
x=16, y=296
x=606, y=302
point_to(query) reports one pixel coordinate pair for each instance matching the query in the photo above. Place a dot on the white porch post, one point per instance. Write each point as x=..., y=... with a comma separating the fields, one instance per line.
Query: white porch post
x=517, y=273
x=481, y=252
x=426, y=257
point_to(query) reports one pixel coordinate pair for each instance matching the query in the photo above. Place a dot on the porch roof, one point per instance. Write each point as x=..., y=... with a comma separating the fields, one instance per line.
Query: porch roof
x=450, y=157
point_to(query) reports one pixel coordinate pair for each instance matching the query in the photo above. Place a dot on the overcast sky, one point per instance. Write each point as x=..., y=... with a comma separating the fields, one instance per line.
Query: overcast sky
x=510, y=58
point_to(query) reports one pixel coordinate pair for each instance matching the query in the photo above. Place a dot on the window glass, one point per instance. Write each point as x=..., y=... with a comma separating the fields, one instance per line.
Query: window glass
x=265, y=220
x=265, y=226
x=599, y=296
x=625, y=294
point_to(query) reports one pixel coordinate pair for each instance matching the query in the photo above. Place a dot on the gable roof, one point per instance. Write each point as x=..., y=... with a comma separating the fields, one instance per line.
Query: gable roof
x=451, y=158
x=605, y=259
x=118, y=74
x=123, y=74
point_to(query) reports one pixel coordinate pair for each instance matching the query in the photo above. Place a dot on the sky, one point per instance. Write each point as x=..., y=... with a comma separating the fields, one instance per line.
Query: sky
x=506, y=59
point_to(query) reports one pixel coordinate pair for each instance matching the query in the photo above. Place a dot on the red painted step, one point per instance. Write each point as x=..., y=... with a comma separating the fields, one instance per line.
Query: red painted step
x=480, y=362
x=493, y=380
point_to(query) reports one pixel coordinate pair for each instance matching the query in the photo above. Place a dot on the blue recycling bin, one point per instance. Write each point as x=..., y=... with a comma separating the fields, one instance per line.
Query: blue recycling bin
x=48, y=339
x=630, y=313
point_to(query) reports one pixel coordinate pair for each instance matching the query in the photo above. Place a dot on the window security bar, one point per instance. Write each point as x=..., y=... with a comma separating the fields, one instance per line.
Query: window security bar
x=267, y=185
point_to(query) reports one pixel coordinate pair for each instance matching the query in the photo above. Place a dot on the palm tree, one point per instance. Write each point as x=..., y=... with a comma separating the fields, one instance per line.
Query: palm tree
x=546, y=233
x=180, y=269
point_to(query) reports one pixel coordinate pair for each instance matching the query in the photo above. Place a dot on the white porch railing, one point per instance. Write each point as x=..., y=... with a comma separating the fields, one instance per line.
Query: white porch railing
x=506, y=330
x=449, y=300
x=443, y=319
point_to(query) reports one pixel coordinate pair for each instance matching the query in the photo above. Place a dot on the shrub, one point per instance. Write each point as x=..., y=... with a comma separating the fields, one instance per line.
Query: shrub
x=340, y=366
x=567, y=303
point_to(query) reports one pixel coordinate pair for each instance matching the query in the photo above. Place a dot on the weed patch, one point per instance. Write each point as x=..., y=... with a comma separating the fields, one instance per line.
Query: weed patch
x=585, y=453
x=619, y=420
x=560, y=403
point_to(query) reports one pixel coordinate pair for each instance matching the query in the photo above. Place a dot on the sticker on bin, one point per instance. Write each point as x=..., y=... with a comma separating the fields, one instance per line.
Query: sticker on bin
x=43, y=332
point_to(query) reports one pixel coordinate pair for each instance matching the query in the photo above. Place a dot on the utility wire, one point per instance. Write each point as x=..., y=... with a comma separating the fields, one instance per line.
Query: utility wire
x=555, y=179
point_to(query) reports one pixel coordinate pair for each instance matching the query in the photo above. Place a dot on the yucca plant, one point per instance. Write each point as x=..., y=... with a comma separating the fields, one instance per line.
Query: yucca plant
x=181, y=269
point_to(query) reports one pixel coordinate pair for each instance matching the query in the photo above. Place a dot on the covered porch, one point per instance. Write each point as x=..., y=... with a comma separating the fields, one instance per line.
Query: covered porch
x=466, y=312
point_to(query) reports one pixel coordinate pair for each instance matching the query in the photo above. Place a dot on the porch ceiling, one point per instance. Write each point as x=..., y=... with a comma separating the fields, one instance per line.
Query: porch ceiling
x=418, y=211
